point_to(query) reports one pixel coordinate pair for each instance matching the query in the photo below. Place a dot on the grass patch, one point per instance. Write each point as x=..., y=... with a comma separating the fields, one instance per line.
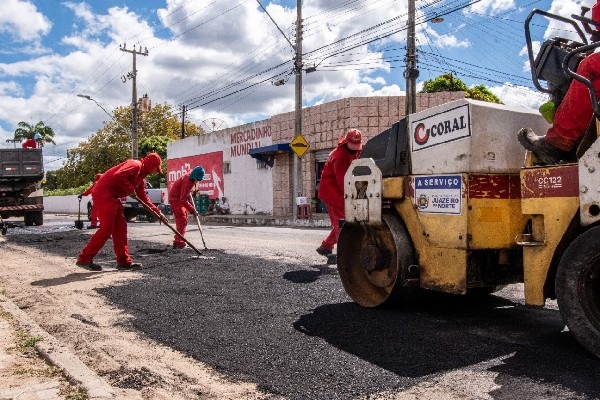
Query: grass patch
x=26, y=342
x=50, y=371
x=6, y=316
x=74, y=394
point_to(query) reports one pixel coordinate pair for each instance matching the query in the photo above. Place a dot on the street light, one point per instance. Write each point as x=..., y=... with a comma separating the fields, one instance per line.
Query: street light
x=85, y=96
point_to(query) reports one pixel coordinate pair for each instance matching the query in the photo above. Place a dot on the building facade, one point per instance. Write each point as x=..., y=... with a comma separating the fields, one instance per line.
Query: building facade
x=264, y=185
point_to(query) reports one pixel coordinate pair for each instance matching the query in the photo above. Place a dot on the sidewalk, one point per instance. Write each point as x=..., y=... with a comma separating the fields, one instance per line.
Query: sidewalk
x=24, y=376
x=315, y=221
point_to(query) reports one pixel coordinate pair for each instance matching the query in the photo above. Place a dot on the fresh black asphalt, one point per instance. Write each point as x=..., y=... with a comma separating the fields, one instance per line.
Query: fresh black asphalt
x=292, y=330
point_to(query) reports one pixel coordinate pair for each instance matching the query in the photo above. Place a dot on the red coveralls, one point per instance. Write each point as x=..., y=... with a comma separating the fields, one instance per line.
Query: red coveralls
x=331, y=189
x=179, y=199
x=575, y=111
x=117, y=182
x=94, y=221
x=29, y=144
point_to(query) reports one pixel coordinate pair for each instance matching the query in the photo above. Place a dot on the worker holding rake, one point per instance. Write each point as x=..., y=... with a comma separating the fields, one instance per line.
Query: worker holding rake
x=179, y=199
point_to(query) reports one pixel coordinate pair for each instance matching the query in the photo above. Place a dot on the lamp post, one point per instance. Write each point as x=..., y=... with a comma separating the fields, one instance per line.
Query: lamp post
x=87, y=97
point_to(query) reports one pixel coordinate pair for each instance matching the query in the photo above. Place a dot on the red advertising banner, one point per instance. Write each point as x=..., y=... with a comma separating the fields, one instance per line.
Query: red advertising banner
x=212, y=184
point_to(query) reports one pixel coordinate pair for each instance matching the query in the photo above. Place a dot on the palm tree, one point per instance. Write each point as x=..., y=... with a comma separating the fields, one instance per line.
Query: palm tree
x=26, y=131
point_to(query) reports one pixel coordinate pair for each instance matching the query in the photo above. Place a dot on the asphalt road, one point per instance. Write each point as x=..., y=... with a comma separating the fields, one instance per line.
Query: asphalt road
x=263, y=308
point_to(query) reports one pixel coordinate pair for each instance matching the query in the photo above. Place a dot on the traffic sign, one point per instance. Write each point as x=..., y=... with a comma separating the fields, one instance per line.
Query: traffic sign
x=299, y=145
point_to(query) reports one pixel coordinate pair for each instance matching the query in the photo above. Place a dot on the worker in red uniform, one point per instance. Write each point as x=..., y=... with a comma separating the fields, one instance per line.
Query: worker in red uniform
x=33, y=143
x=179, y=199
x=88, y=192
x=331, y=186
x=573, y=115
x=119, y=181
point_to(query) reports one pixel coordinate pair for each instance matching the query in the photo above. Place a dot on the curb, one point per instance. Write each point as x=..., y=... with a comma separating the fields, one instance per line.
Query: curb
x=57, y=354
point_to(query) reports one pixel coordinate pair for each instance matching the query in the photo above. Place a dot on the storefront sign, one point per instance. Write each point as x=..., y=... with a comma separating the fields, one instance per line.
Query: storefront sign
x=212, y=184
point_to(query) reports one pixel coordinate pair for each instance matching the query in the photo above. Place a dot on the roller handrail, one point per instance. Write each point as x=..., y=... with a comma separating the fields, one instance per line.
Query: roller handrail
x=530, y=48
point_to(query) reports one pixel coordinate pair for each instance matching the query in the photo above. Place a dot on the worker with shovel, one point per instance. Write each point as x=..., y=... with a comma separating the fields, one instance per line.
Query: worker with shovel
x=179, y=199
x=119, y=181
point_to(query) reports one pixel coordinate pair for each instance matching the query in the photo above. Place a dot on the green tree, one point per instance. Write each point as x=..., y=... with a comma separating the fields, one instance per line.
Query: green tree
x=450, y=83
x=444, y=83
x=51, y=180
x=480, y=92
x=104, y=149
x=111, y=145
x=27, y=131
x=155, y=144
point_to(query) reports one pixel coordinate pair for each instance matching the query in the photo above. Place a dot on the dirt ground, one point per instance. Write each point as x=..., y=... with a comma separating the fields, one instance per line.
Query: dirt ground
x=39, y=275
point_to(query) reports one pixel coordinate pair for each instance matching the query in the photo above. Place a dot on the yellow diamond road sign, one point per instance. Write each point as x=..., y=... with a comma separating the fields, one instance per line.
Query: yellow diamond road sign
x=299, y=145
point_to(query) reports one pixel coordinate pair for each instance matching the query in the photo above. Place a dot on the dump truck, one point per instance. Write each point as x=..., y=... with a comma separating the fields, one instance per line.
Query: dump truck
x=21, y=194
x=446, y=199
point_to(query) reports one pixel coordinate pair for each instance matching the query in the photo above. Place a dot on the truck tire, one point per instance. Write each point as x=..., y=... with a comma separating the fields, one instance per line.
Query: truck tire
x=130, y=214
x=29, y=219
x=578, y=289
x=38, y=218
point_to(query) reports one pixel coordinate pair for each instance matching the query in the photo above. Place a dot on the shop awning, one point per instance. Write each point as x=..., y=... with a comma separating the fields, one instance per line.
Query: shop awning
x=267, y=154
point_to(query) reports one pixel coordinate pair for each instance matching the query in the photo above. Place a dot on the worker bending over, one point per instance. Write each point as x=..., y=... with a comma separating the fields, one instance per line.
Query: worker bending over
x=179, y=199
x=119, y=181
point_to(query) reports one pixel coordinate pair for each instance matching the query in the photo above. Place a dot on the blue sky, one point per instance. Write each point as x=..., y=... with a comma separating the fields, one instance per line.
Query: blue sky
x=220, y=57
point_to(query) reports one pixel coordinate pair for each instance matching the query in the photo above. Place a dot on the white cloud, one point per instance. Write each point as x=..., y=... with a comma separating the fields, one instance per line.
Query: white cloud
x=22, y=20
x=565, y=8
x=491, y=7
x=378, y=80
x=519, y=96
x=200, y=51
x=445, y=41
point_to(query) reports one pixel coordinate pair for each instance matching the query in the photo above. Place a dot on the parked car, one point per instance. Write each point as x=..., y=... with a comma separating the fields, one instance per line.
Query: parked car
x=132, y=208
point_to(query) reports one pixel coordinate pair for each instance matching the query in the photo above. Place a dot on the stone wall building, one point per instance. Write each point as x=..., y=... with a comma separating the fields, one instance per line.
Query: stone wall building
x=253, y=186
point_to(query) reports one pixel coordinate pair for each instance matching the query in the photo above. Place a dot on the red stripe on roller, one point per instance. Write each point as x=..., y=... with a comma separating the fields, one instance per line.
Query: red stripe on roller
x=494, y=186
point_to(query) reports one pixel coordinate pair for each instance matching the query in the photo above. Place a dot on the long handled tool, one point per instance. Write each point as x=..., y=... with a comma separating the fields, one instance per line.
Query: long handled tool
x=79, y=222
x=151, y=211
x=199, y=226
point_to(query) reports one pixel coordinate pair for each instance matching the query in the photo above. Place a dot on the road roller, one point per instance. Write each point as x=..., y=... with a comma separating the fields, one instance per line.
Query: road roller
x=443, y=201
x=446, y=199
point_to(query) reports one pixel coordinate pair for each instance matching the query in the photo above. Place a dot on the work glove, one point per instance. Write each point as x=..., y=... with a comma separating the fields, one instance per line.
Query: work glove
x=79, y=196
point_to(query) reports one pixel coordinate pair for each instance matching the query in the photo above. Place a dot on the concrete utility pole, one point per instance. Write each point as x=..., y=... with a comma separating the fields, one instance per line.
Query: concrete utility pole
x=298, y=64
x=411, y=73
x=134, y=109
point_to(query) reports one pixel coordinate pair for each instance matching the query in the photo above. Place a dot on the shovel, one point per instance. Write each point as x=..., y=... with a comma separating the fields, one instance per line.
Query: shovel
x=151, y=211
x=199, y=226
x=79, y=222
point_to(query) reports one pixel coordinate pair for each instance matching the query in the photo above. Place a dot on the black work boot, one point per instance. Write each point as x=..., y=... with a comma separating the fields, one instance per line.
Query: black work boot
x=547, y=153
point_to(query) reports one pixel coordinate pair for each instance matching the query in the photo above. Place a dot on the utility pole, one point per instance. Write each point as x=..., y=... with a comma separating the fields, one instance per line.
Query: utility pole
x=134, y=109
x=298, y=64
x=411, y=73
x=183, y=110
